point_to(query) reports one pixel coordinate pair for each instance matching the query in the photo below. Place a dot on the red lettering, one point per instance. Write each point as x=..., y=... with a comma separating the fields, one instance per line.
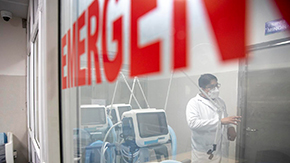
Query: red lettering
x=144, y=59
x=180, y=34
x=71, y=59
x=74, y=55
x=112, y=68
x=228, y=23
x=63, y=58
x=93, y=11
x=81, y=50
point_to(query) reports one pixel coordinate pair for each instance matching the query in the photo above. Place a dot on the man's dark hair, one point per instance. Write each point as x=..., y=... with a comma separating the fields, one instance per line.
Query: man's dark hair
x=205, y=80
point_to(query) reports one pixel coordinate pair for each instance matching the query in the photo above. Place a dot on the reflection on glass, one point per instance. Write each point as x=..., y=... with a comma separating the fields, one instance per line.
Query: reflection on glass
x=264, y=96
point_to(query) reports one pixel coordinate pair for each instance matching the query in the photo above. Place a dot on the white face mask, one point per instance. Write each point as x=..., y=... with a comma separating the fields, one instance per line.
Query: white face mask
x=214, y=93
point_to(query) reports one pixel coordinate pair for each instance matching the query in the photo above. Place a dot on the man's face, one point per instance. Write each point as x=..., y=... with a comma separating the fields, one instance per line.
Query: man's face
x=212, y=85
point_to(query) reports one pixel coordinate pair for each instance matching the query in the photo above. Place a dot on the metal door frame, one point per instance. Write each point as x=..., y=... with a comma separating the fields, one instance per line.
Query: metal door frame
x=242, y=93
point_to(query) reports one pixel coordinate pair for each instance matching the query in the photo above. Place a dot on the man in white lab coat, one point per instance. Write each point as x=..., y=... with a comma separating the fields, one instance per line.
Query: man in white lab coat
x=204, y=119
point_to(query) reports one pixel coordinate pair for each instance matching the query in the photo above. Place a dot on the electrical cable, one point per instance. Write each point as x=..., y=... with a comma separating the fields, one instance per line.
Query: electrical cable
x=116, y=124
x=130, y=156
x=124, y=159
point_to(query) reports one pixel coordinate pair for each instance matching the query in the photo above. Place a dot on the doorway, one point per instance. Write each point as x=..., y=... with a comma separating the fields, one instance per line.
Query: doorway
x=264, y=103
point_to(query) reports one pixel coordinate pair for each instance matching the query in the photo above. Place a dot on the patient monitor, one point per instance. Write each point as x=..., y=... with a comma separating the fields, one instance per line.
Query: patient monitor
x=93, y=117
x=117, y=110
x=145, y=126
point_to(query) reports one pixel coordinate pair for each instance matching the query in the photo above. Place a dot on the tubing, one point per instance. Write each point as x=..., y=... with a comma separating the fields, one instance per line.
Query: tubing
x=113, y=132
x=103, y=150
x=173, y=142
x=110, y=130
x=102, y=154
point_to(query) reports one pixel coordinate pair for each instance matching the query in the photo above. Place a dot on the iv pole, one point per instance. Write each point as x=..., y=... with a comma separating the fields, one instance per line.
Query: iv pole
x=132, y=93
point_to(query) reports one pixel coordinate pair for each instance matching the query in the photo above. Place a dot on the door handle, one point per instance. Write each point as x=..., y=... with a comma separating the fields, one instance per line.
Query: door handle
x=251, y=129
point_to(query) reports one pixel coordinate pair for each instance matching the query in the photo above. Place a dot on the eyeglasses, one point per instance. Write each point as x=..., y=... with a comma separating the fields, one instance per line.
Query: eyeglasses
x=218, y=85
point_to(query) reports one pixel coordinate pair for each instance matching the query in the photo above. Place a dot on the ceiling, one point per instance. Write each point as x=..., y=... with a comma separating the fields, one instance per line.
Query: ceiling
x=18, y=8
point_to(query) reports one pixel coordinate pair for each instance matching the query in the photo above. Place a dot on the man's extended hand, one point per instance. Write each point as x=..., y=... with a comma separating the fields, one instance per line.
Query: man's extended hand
x=232, y=134
x=231, y=120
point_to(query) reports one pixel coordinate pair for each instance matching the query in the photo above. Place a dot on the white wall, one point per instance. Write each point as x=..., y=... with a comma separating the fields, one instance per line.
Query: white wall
x=13, y=84
x=260, y=12
x=13, y=47
x=50, y=151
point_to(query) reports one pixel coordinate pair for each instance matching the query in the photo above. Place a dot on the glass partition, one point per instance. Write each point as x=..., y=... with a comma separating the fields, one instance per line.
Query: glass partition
x=146, y=81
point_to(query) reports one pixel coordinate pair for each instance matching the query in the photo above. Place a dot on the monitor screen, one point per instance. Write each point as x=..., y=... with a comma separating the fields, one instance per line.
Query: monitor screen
x=114, y=116
x=152, y=124
x=93, y=116
x=123, y=109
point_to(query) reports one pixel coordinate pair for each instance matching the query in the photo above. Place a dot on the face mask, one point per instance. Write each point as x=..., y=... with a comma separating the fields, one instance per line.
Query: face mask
x=214, y=93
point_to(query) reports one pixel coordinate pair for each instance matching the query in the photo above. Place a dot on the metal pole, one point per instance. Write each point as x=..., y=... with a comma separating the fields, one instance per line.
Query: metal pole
x=130, y=90
x=168, y=90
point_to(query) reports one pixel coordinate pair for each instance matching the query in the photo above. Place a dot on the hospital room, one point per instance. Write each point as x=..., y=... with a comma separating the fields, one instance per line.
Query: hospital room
x=202, y=106
x=134, y=81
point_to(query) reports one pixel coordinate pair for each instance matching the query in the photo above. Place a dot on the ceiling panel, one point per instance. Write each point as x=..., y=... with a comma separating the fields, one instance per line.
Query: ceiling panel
x=17, y=7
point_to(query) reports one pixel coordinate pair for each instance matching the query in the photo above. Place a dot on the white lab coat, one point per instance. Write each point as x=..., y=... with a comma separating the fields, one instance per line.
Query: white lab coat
x=202, y=118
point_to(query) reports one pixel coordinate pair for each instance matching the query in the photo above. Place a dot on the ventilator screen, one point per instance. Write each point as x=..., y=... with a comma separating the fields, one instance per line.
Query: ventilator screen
x=123, y=109
x=93, y=116
x=152, y=124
